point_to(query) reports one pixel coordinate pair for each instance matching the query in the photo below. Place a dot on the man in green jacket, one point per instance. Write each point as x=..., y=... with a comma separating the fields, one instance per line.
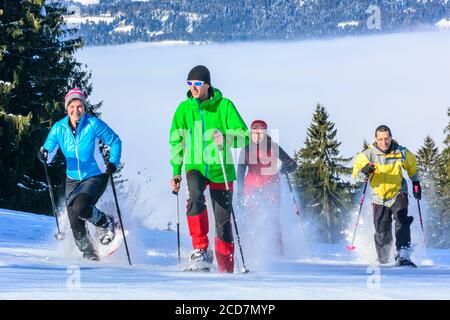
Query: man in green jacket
x=201, y=124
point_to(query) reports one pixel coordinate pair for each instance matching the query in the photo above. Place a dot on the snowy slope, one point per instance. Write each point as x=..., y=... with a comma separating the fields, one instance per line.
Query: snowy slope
x=33, y=265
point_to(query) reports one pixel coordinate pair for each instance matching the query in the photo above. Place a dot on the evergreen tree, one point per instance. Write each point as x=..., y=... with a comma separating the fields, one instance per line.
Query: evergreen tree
x=325, y=196
x=426, y=163
x=441, y=230
x=365, y=145
x=37, y=68
x=427, y=157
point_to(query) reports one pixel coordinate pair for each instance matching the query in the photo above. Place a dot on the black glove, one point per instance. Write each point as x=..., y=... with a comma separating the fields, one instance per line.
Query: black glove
x=368, y=168
x=176, y=182
x=288, y=167
x=42, y=154
x=110, y=168
x=417, y=190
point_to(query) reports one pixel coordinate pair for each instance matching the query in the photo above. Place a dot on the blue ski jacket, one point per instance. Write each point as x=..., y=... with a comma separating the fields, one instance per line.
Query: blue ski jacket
x=80, y=147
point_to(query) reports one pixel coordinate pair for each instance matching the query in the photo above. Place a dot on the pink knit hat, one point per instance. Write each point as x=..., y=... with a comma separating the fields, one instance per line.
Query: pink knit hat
x=75, y=93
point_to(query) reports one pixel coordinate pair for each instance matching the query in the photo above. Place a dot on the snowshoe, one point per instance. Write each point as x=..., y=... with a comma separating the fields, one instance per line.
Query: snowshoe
x=200, y=261
x=84, y=244
x=110, y=248
x=91, y=255
x=402, y=259
x=106, y=230
x=405, y=263
x=192, y=269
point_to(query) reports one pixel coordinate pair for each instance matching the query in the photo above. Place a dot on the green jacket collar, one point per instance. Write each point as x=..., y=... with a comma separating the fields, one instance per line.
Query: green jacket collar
x=215, y=97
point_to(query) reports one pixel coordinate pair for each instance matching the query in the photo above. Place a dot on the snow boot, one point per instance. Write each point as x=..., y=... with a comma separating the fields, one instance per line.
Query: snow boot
x=85, y=246
x=200, y=260
x=402, y=259
x=105, y=230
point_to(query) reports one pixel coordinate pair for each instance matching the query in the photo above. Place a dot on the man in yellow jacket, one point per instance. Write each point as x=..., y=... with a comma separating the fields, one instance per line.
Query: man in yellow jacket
x=382, y=164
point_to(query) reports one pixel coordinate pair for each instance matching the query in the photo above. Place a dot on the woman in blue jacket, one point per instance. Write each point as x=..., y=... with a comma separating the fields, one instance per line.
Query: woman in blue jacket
x=78, y=135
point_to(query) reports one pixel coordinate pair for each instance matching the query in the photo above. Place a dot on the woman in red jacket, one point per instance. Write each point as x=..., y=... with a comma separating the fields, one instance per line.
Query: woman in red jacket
x=258, y=178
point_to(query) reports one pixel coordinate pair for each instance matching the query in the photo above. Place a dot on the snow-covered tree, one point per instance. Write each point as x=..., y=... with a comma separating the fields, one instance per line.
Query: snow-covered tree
x=441, y=215
x=325, y=195
x=37, y=68
x=427, y=157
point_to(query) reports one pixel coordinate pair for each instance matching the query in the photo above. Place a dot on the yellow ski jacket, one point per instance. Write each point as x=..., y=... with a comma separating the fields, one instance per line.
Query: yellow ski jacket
x=387, y=180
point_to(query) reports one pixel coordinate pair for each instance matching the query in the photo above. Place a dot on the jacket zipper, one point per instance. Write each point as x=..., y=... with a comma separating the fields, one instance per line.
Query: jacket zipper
x=385, y=181
x=204, y=143
x=75, y=138
x=78, y=159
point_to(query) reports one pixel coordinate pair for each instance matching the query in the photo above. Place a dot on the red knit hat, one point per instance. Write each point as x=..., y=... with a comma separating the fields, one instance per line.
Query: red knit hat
x=258, y=124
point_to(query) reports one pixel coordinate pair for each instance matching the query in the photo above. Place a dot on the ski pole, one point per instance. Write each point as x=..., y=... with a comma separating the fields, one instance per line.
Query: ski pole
x=120, y=218
x=352, y=246
x=178, y=221
x=220, y=148
x=297, y=211
x=421, y=225
x=59, y=235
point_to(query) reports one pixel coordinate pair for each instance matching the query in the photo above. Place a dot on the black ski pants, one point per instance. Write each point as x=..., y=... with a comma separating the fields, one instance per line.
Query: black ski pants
x=81, y=197
x=382, y=218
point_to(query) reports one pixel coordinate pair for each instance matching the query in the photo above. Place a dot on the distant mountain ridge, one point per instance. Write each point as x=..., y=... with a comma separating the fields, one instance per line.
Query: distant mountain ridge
x=113, y=22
